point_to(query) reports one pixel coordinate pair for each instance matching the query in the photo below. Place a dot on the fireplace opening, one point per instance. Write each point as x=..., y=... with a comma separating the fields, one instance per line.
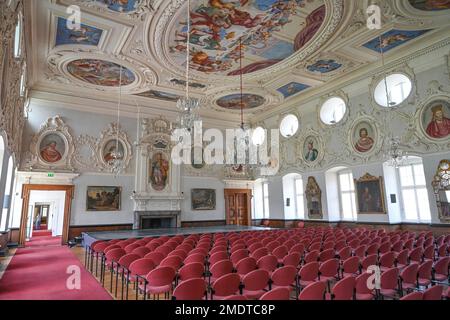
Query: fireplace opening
x=156, y=223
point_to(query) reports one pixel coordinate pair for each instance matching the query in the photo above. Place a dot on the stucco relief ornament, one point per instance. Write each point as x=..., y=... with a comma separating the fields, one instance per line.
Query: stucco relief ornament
x=113, y=144
x=52, y=148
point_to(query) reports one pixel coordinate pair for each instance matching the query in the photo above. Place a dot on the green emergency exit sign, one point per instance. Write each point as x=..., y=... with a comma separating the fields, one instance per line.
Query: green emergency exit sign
x=50, y=174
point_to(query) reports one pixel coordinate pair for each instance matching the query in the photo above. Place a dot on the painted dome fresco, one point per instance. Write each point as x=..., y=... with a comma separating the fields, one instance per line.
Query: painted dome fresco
x=269, y=31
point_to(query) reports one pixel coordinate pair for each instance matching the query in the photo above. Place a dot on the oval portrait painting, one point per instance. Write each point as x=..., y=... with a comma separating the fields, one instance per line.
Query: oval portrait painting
x=363, y=137
x=110, y=148
x=436, y=119
x=159, y=171
x=52, y=148
x=310, y=149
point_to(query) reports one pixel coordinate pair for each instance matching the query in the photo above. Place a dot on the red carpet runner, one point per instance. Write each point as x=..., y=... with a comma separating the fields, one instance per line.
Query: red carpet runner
x=39, y=272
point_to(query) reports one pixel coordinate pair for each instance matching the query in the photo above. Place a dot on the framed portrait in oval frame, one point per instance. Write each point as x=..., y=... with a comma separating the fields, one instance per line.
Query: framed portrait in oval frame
x=113, y=139
x=434, y=119
x=365, y=136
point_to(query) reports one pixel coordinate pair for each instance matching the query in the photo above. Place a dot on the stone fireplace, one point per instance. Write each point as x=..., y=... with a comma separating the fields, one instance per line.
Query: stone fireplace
x=156, y=219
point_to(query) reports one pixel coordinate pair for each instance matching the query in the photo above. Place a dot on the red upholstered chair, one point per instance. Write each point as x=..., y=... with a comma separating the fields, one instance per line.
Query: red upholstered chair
x=314, y=291
x=368, y=261
x=360, y=251
x=350, y=267
x=340, y=245
x=268, y=263
x=343, y=289
x=245, y=266
x=327, y=255
x=280, y=252
x=218, y=256
x=141, y=251
x=278, y=294
x=219, y=248
x=191, y=271
x=140, y=267
x=442, y=250
x=362, y=290
x=225, y=287
x=408, y=277
x=259, y=253
x=219, y=269
x=372, y=249
x=401, y=260
x=156, y=257
x=174, y=262
x=389, y=283
x=428, y=253
x=126, y=260
x=158, y=281
x=180, y=253
x=312, y=256
x=416, y=255
x=271, y=246
x=255, y=246
x=314, y=247
x=284, y=277
x=329, y=271
x=387, y=261
x=197, y=257
x=165, y=250
x=292, y=259
x=425, y=274
x=192, y=289
x=433, y=293
x=129, y=248
x=308, y=274
x=413, y=296
x=254, y=284
x=152, y=245
x=440, y=269
x=345, y=253
x=238, y=256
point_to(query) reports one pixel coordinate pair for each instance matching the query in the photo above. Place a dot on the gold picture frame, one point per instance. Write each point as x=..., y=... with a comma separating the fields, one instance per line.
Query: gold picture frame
x=370, y=195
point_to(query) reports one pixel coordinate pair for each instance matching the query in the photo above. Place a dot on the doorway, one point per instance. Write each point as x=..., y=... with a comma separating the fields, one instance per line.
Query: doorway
x=45, y=211
x=238, y=206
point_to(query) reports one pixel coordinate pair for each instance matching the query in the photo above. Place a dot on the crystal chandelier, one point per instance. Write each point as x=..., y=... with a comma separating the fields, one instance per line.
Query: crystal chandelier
x=188, y=106
x=395, y=155
x=116, y=163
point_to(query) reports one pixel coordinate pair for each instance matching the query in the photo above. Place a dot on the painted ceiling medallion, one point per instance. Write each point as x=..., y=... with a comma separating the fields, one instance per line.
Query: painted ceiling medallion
x=100, y=72
x=324, y=66
x=125, y=6
x=86, y=35
x=233, y=101
x=270, y=30
x=430, y=5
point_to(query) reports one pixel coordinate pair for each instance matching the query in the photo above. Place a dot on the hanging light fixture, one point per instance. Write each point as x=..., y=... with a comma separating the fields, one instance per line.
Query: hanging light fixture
x=395, y=155
x=244, y=140
x=188, y=106
x=116, y=163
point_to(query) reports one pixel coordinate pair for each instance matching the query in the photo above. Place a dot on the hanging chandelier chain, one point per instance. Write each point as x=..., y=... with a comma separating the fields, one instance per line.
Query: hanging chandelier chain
x=188, y=46
x=241, y=83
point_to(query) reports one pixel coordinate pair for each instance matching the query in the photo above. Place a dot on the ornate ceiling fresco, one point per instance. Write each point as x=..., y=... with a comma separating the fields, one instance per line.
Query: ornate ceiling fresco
x=290, y=48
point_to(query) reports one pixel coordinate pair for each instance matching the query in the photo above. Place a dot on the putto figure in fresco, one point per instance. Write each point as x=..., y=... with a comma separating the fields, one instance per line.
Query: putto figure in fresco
x=365, y=143
x=50, y=154
x=439, y=126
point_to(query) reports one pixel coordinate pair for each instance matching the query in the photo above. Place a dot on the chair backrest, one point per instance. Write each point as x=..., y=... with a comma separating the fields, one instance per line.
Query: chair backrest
x=141, y=251
x=402, y=257
x=221, y=268
x=277, y=294
x=161, y=276
x=218, y=256
x=409, y=274
x=259, y=253
x=361, y=286
x=433, y=293
x=313, y=291
x=344, y=289
x=369, y=261
x=425, y=269
x=226, y=285
x=372, y=249
x=360, y=251
x=172, y=261
x=238, y=256
x=179, y=252
x=441, y=266
x=191, y=271
x=329, y=268
x=280, y=252
x=326, y=255
x=165, y=250
x=351, y=265
x=344, y=253
x=197, y=257
x=284, y=276
x=111, y=247
x=157, y=257
x=413, y=296
x=428, y=252
x=416, y=254
x=310, y=271
x=268, y=263
x=256, y=280
x=312, y=256
x=127, y=259
x=389, y=279
x=300, y=248
x=246, y=265
x=385, y=247
x=192, y=289
x=292, y=259
x=141, y=266
x=115, y=254
x=387, y=259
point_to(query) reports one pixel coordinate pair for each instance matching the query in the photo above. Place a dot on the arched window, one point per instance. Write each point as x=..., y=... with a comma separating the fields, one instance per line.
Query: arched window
x=414, y=193
x=7, y=198
x=289, y=126
x=333, y=111
x=293, y=192
x=18, y=37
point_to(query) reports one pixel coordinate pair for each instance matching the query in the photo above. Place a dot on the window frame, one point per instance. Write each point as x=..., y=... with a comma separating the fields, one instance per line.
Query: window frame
x=18, y=37
x=266, y=215
x=296, y=197
x=8, y=192
x=352, y=192
x=414, y=187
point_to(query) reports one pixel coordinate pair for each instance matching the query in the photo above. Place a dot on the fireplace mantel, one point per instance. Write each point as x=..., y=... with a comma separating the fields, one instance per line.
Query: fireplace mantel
x=138, y=215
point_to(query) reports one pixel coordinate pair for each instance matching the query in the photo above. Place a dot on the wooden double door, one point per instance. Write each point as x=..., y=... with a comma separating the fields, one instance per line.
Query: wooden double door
x=238, y=207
